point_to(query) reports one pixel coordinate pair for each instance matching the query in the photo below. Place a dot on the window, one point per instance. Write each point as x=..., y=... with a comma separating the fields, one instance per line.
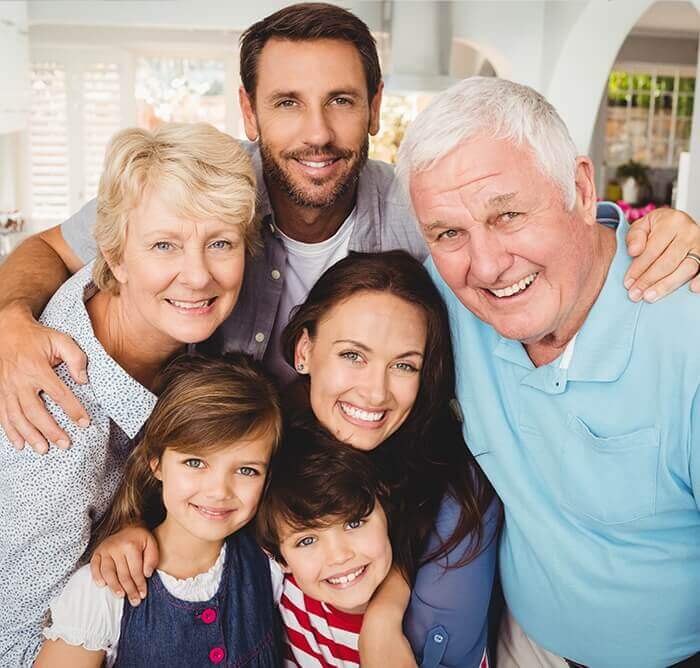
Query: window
x=82, y=96
x=649, y=115
x=48, y=140
x=186, y=90
x=101, y=119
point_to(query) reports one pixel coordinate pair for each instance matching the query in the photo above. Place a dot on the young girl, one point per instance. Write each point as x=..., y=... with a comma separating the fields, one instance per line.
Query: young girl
x=195, y=478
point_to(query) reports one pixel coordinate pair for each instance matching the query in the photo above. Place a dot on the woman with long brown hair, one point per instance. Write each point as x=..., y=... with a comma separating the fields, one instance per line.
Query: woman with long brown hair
x=372, y=347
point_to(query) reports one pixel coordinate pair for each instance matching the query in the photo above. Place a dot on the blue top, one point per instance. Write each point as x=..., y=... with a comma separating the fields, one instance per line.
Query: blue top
x=236, y=627
x=598, y=468
x=446, y=620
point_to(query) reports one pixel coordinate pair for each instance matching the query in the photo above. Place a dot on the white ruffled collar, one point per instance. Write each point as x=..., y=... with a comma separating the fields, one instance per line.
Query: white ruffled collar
x=200, y=587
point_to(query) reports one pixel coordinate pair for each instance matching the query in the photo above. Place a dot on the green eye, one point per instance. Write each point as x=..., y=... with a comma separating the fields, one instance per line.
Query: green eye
x=194, y=463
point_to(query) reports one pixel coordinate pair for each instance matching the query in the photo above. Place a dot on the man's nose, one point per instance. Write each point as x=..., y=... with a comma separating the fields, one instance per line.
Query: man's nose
x=318, y=130
x=489, y=257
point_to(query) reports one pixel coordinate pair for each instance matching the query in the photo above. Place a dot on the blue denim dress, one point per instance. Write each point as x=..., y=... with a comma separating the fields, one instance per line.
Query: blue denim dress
x=237, y=627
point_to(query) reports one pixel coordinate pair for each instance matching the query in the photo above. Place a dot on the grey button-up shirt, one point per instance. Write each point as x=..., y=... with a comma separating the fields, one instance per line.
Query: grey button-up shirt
x=49, y=503
x=384, y=221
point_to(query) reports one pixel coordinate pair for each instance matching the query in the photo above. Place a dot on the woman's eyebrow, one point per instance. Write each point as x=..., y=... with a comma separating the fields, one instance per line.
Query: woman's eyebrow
x=352, y=342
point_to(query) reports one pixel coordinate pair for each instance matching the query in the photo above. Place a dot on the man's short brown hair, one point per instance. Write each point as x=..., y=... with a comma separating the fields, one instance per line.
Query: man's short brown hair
x=309, y=21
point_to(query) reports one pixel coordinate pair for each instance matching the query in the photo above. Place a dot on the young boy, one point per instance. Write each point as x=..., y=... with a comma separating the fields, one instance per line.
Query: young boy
x=323, y=521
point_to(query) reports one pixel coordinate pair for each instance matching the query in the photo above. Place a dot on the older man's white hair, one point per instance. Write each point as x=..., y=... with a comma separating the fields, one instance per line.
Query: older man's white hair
x=487, y=106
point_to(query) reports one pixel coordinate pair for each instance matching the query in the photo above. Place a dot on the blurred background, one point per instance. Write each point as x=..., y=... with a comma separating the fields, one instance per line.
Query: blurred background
x=621, y=73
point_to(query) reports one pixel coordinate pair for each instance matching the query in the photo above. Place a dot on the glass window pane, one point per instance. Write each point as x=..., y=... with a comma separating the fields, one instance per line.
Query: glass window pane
x=618, y=88
x=685, y=105
x=641, y=82
x=665, y=83
x=686, y=85
x=661, y=127
x=683, y=127
x=180, y=89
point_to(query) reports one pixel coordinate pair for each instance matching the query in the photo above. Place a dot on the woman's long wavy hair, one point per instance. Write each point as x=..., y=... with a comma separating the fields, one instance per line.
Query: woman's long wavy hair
x=426, y=458
x=204, y=405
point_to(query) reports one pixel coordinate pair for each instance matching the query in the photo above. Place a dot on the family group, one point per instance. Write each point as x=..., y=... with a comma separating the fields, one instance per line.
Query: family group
x=273, y=403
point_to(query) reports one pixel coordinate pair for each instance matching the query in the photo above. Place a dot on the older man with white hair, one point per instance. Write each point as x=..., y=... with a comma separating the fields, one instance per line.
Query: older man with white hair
x=582, y=407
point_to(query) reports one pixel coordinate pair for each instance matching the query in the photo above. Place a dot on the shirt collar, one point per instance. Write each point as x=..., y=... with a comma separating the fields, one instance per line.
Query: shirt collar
x=604, y=343
x=108, y=381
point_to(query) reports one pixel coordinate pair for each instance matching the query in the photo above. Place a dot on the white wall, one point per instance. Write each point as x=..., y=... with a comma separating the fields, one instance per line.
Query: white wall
x=14, y=73
x=216, y=14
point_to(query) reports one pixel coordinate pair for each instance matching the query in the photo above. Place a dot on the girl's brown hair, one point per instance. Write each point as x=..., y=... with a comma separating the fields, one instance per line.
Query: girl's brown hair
x=204, y=404
x=426, y=459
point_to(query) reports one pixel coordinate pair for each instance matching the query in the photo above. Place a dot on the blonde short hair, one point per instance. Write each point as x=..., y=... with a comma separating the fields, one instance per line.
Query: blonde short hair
x=206, y=174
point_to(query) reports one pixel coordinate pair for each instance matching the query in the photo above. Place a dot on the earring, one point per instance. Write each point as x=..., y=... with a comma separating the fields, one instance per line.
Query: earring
x=300, y=367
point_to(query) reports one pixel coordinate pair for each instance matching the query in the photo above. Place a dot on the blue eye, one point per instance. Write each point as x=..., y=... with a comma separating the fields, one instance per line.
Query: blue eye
x=194, y=463
x=354, y=524
x=248, y=471
x=306, y=541
x=162, y=245
x=221, y=244
x=406, y=366
x=448, y=234
x=351, y=356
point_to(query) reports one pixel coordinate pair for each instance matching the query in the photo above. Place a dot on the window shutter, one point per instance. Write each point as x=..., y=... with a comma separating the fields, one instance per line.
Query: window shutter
x=101, y=119
x=48, y=141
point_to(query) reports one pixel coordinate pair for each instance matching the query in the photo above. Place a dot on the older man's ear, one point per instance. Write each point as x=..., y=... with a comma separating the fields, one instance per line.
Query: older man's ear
x=585, y=189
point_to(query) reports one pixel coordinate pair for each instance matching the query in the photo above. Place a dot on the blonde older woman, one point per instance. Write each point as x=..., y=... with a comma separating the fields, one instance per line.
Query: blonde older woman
x=175, y=218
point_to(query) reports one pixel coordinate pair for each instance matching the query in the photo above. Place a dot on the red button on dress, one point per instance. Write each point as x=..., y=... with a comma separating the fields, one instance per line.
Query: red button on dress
x=217, y=655
x=209, y=616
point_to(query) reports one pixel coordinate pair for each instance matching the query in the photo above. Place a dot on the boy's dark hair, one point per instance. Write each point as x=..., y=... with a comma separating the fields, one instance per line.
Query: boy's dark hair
x=315, y=481
x=309, y=21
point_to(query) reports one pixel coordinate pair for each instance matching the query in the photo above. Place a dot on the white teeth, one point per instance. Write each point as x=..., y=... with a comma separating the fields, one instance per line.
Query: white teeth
x=344, y=579
x=192, y=305
x=317, y=165
x=360, y=414
x=213, y=513
x=516, y=287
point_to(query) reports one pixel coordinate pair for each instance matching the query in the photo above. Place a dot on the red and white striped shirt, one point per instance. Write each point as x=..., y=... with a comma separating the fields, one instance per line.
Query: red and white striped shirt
x=317, y=634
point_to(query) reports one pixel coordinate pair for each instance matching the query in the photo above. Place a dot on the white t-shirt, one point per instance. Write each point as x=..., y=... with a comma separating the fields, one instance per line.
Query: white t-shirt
x=305, y=264
x=89, y=616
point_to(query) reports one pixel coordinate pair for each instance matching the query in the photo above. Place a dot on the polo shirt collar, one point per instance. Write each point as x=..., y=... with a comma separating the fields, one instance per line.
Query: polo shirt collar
x=604, y=343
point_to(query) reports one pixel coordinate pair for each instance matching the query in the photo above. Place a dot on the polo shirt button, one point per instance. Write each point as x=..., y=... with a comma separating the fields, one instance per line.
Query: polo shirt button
x=217, y=654
x=259, y=337
x=438, y=638
x=275, y=274
x=209, y=616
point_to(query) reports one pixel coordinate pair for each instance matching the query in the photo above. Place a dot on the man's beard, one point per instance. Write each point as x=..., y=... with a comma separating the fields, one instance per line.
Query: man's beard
x=304, y=196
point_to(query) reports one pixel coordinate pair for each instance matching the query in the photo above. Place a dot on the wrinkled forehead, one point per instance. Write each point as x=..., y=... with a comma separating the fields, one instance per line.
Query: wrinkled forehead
x=481, y=172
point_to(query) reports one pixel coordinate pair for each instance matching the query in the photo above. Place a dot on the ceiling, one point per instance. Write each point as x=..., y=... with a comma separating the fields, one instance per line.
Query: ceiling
x=668, y=18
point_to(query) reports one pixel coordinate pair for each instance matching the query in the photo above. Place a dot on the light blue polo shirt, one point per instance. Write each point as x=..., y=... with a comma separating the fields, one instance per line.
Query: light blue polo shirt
x=598, y=467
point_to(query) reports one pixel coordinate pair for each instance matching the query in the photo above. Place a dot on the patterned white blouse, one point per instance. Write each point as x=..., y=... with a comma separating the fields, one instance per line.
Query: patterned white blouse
x=49, y=503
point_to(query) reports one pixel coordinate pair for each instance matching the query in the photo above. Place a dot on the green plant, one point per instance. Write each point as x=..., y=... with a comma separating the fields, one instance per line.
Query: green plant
x=636, y=170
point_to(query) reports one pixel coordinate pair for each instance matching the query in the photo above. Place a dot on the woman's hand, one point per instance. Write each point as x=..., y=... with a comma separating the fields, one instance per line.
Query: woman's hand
x=124, y=561
x=382, y=642
x=660, y=243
